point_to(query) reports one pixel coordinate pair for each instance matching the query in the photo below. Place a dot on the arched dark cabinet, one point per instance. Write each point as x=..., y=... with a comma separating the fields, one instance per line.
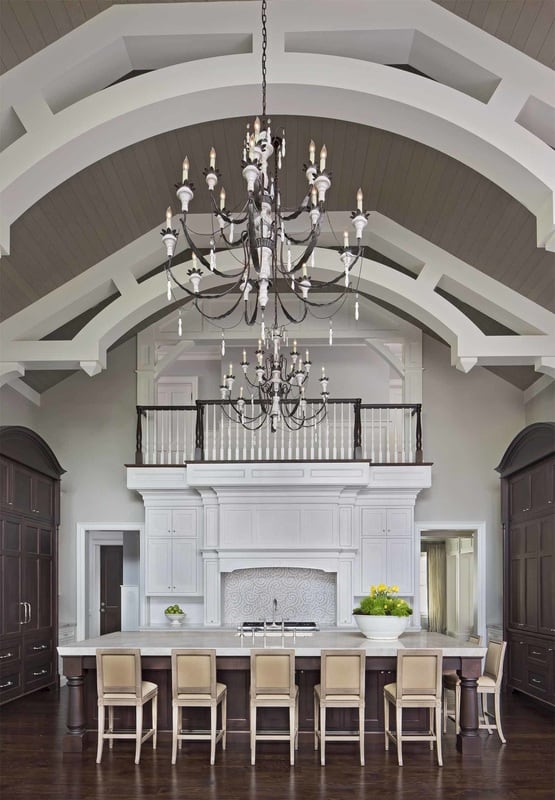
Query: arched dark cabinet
x=29, y=518
x=528, y=498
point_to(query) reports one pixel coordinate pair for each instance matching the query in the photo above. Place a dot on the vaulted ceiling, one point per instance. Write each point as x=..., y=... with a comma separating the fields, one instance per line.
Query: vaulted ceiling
x=119, y=197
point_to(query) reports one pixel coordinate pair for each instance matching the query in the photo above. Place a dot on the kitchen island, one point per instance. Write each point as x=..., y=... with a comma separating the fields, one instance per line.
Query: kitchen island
x=232, y=650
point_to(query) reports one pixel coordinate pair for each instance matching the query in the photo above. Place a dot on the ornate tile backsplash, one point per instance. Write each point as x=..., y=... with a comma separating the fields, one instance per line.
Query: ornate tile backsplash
x=301, y=594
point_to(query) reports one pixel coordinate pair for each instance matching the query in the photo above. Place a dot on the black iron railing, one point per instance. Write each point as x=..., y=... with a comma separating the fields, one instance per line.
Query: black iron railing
x=351, y=430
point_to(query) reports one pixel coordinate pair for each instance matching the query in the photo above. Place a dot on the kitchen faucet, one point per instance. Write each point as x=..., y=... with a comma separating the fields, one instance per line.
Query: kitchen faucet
x=274, y=611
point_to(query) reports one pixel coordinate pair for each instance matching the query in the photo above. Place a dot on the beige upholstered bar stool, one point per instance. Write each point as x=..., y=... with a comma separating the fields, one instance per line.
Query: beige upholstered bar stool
x=273, y=686
x=452, y=683
x=490, y=683
x=194, y=685
x=418, y=685
x=119, y=683
x=342, y=685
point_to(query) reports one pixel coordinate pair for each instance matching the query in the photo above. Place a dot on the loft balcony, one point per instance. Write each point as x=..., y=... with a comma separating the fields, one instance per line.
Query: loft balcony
x=351, y=431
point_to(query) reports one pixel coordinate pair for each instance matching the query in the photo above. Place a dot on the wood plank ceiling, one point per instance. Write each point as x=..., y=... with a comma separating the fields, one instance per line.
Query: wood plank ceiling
x=105, y=206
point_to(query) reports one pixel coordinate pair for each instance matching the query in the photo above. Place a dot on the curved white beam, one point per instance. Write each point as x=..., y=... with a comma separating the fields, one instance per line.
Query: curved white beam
x=416, y=297
x=484, y=136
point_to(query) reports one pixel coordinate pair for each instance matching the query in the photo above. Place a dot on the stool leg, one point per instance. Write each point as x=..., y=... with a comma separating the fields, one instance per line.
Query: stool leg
x=386, y=721
x=155, y=721
x=100, y=734
x=213, y=713
x=138, y=732
x=438, y=736
x=292, y=737
x=224, y=721
x=497, y=701
x=253, y=735
x=323, y=735
x=361, y=733
x=399, y=733
x=175, y=721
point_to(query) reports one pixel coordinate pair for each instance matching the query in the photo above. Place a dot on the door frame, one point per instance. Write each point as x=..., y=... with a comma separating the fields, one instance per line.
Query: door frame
x=479, y=531
x=92, y=535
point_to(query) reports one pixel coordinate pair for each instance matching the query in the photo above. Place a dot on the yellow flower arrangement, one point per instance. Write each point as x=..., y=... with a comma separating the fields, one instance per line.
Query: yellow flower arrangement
x=381, y=602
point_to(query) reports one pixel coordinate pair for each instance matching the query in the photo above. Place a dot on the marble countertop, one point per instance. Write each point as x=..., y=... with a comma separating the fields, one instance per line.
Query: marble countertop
x=228, y=642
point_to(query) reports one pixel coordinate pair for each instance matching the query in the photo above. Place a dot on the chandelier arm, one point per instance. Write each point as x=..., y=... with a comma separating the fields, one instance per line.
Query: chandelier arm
x=252, y=320
x=289, y=316
x=215, y=316
x=296, y=213
x=203, y=260
x=314, y=234
x=221, y=212
x=293, y=240
x=205, y=295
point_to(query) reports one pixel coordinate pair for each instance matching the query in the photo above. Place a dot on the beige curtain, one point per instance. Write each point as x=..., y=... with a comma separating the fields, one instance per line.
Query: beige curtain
x=437, y=599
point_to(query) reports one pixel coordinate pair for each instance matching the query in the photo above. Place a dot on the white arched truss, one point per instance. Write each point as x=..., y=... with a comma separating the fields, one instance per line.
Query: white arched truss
x=532, y=343
x=70, y=121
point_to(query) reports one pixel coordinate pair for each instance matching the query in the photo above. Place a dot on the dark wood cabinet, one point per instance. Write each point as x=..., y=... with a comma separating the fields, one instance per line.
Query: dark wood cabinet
x=29, y=517
x=527, y=491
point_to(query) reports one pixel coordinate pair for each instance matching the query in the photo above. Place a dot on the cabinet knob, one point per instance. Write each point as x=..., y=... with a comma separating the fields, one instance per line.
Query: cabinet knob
x=6, y=685
x=6, y=655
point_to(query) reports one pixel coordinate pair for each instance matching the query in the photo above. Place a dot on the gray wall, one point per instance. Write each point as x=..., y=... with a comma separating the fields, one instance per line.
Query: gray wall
x=541, y=408
x=90, y=425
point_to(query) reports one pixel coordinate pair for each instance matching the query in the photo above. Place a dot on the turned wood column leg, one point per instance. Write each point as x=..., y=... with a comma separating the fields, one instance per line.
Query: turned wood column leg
x=468, y=741
x=75, y=740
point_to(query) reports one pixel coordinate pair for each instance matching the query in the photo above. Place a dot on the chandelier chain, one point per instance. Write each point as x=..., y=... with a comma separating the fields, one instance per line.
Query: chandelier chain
x=264, y=48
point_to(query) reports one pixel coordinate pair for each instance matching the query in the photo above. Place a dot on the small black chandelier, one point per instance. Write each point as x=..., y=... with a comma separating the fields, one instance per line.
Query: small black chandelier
x=269, y=278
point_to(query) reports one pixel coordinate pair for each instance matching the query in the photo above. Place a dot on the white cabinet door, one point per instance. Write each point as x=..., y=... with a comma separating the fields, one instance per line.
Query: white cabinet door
x=158, y=577
x=373, y=522
x=171, y=566
x=373, y=558
x=184, y=522
x=400, y=565
x=386, y=522
x=184, y=562
x=399, y=521
x=158, y=522
x=389, y=561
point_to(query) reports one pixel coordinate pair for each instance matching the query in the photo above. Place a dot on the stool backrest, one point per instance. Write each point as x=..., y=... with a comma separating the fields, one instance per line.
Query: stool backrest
x=343, y=672
x=494, y=660
x=118, y=672
x=419, y=672
x=193, y=672
x=272, y=672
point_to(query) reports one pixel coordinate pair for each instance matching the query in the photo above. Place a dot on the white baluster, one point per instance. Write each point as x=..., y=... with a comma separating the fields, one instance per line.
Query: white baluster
x=388, y=435
x=268, y=426
x=229, y=439
x=342, y=431
x=411, y=417
x=335, y=430
x=327, y=438
x=304, y=444
x=350, y=426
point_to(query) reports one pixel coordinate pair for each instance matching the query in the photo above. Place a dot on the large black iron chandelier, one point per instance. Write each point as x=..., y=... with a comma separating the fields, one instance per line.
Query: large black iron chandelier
x=269, y=277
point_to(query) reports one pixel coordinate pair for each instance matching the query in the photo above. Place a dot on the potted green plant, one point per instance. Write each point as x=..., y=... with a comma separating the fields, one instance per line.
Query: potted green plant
x=382, y=615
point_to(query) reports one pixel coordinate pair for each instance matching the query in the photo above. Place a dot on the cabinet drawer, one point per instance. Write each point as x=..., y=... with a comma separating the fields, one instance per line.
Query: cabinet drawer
x=38, y=647
x=10, y=683
x=538, y=681
x=538, y=653
x=9, y=653
x=37, y=673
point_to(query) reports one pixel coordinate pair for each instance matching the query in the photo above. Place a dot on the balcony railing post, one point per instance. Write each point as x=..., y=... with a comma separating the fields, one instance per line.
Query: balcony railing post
x=418, y=455
x=357, y=432
x=139, y=437
x=199, y=432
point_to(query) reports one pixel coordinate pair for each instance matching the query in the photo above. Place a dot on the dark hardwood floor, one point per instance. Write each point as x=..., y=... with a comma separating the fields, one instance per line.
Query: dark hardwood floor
x=32, y=764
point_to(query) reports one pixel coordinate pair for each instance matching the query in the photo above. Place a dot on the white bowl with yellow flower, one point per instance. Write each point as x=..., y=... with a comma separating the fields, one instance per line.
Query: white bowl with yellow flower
x=382, y=615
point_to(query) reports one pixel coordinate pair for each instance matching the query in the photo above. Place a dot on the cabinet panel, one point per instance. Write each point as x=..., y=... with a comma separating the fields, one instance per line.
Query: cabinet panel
x=184, y=566
x=400, y=565
x=546, y=581
x=373, y=522
x=158, y=566
x=10, y=592
x=22, y=490
x=373, y=556
x=184, y=522
x=158, y=522
x=520, y=495
x=399, y=521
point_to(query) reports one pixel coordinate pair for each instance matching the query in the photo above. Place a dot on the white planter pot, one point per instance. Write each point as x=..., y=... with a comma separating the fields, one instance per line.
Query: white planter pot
x=381, y=627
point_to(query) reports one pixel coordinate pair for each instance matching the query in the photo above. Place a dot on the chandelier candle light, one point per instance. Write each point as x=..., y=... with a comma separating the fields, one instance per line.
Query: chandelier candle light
x=269, y=278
